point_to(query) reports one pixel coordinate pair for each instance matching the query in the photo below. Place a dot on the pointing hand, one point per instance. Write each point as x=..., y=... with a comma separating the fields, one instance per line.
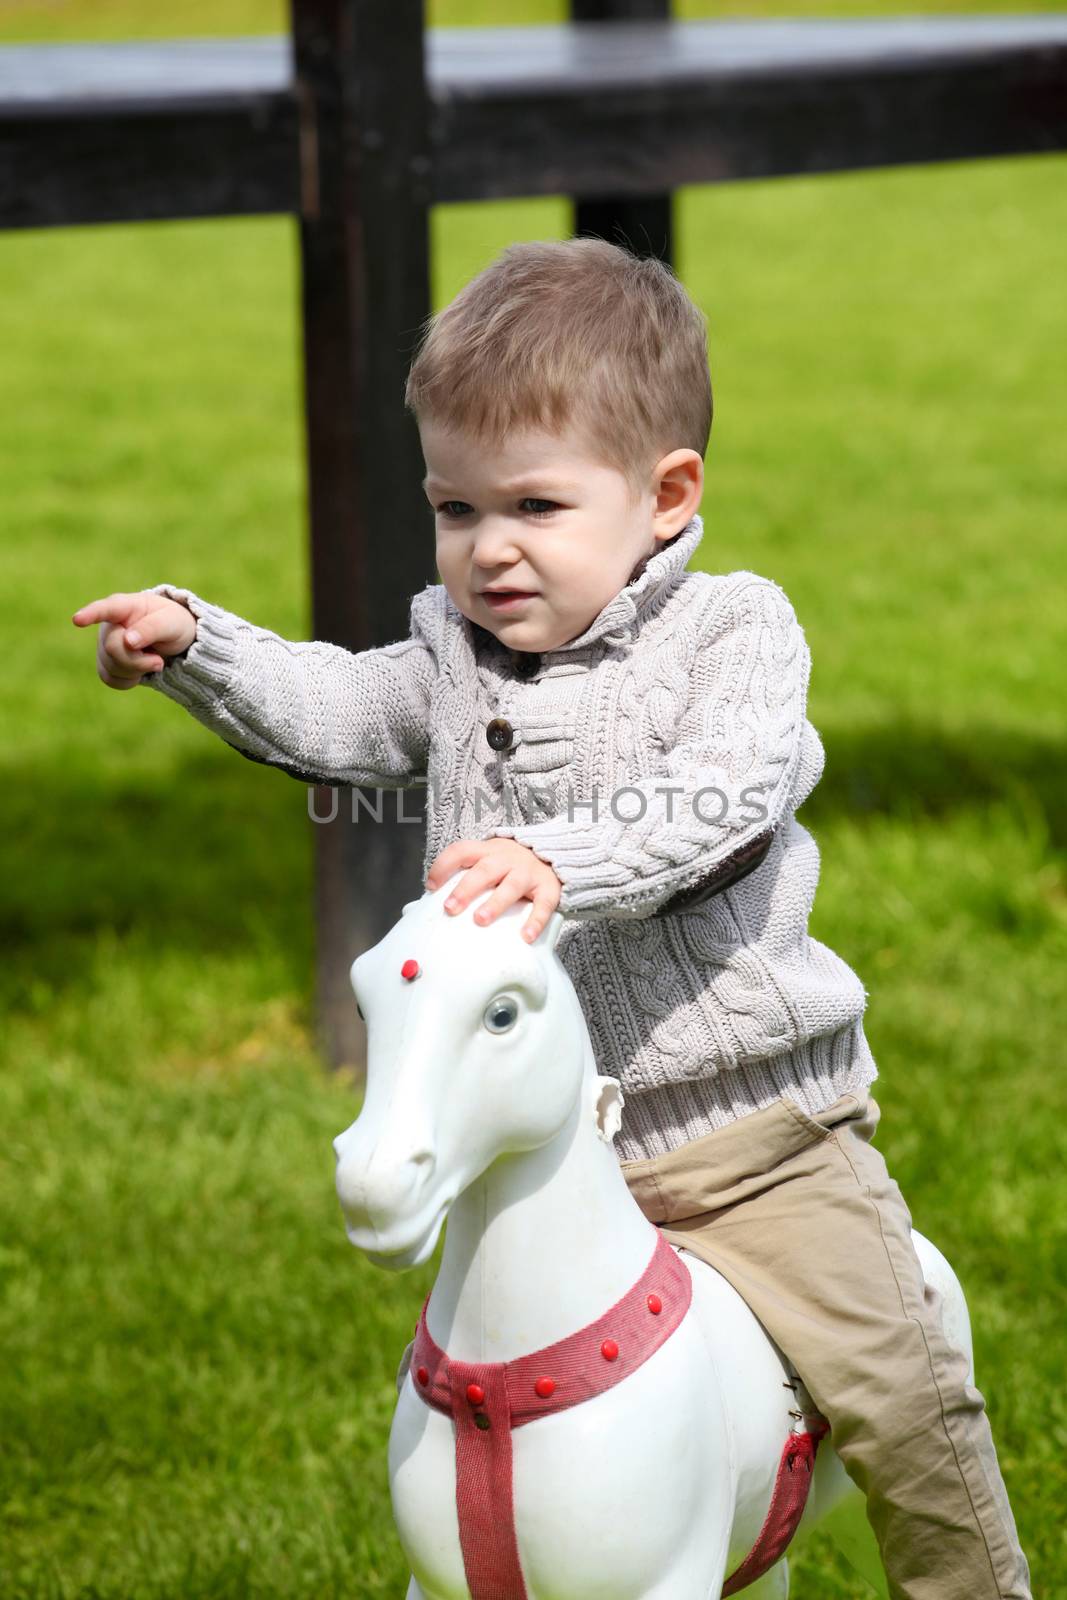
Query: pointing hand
x=138, y=632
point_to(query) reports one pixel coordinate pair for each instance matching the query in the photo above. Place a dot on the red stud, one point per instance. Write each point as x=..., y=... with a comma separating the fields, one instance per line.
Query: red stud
x=423, y=1376
x=544, y=1387
x=609, y=1350
x=655, y=1304
x=475, y=1394
x=410, y=969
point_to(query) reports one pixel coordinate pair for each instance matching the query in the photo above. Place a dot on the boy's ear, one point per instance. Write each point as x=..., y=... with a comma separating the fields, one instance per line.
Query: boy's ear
x=680, y=480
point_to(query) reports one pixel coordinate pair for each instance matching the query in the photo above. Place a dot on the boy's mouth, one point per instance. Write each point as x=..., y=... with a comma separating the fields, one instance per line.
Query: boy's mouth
x=504, y=599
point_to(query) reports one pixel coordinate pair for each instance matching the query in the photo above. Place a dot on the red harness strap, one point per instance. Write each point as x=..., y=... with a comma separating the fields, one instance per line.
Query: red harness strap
x=788, y=1499
x=487, y=1399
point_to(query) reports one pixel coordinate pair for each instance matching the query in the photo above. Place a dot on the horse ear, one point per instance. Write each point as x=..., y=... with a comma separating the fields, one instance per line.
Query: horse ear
x=552, y=929
x=609, y=1104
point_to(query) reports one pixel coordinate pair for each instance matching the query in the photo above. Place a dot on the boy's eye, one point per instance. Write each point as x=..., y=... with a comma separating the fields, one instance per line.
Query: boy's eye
x=460, y=508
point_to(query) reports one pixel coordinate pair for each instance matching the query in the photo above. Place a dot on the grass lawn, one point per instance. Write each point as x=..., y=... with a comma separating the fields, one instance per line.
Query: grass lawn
x=197, y=1379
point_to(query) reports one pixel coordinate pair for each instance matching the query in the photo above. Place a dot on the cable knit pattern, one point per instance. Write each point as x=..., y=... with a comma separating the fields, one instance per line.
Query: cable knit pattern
x=686, y=682
x=721, y=703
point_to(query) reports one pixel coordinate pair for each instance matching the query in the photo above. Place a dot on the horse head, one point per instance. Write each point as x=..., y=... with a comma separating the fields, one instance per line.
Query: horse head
x=477, y=1048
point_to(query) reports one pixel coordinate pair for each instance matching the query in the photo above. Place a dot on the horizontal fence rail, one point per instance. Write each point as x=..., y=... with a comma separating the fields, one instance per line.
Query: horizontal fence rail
x=197, y=128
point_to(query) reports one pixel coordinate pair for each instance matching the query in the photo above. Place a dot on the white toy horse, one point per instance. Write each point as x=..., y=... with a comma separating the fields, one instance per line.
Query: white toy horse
x=483, y=1104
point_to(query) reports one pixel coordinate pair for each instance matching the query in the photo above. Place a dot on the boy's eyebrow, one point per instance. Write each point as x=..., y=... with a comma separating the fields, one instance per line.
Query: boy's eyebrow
x=518, y=486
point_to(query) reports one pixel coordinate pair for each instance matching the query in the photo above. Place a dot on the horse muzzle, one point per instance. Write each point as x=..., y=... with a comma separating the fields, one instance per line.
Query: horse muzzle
x=387, y=1199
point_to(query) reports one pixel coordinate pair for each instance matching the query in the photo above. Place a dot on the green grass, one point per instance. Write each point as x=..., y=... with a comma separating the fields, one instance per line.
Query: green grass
x=45, y=21
x=197, y=1369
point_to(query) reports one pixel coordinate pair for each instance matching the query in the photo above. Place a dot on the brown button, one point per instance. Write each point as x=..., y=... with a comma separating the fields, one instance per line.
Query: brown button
x=499, y=733
x=481, y=1420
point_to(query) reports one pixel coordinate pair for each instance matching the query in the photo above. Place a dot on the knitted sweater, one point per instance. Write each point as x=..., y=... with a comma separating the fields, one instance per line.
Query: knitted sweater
x=680, y=715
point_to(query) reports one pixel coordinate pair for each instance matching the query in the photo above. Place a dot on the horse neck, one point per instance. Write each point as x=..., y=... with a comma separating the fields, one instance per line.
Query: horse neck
x=544, y=1242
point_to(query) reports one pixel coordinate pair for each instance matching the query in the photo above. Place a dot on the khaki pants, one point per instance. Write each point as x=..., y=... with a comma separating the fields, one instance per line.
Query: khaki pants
x=800, y=1215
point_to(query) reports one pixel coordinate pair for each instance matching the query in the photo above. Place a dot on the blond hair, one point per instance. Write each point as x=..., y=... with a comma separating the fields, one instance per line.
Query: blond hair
x=579, y=333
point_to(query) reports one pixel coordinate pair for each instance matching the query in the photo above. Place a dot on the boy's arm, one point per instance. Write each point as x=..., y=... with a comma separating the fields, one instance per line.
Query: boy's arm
x=742, y=732
x=317, y=711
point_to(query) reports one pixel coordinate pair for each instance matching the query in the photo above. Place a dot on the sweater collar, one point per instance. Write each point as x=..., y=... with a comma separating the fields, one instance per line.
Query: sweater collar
x=651, y=581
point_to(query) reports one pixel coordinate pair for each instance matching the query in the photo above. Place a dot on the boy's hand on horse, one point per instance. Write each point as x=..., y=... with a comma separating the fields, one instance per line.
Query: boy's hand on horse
x=139, y=631
x=513, y=868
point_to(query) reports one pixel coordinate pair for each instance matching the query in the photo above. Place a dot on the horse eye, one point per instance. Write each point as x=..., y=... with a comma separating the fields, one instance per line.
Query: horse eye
x=501, y=1014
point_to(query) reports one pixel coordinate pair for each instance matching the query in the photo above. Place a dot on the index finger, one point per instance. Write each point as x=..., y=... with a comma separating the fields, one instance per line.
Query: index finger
x=114, y=608
x=460, y=853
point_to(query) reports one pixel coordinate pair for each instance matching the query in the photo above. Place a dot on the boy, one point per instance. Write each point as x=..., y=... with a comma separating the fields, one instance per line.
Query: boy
x=606, y=733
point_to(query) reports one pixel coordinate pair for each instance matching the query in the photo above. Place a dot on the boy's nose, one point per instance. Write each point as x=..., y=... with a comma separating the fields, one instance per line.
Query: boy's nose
x=495, y=547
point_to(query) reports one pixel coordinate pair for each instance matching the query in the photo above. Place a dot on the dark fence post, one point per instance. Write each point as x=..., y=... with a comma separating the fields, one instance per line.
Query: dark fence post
x=365, y=184
x=642, y=222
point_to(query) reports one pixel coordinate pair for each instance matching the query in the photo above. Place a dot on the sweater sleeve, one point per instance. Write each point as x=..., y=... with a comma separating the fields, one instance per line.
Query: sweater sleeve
x=317, y=711
x=741, y=756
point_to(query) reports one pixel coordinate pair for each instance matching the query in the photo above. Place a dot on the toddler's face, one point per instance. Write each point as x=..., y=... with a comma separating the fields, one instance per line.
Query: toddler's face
x=539, y=517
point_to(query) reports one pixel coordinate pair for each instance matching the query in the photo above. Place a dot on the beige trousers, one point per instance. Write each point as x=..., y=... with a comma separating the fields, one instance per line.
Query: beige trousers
x=800, y=1215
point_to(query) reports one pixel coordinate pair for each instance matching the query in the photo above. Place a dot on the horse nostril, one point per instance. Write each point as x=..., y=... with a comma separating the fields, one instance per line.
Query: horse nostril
x=424, y=1161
